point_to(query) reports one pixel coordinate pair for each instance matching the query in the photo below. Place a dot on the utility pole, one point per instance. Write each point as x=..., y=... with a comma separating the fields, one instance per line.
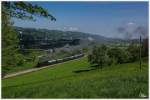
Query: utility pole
x=140, y=52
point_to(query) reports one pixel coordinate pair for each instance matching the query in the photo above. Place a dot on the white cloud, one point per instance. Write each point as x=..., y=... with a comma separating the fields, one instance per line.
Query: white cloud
x=131, y=27
x=90, y=39
x=68, y=28
x=64, y=28
x=131, y=24
x=72, y=28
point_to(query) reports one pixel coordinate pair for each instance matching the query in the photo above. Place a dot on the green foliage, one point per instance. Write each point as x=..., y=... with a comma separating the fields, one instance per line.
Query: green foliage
x=118, y=54
x=133, y=50
x=60, y=81
x=51, y=34
x=22, y=60
x=26, y=10
x=114, y=55
x=10, y=55
x=99, y=56
x=85, y=49
x=9, y=42
x=90, y=58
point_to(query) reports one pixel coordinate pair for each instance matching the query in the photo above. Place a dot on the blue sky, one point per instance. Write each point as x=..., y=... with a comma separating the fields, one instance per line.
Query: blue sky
x=101, y=18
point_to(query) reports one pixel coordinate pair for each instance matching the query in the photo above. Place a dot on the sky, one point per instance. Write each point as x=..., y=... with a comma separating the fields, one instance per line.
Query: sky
x=102, y=18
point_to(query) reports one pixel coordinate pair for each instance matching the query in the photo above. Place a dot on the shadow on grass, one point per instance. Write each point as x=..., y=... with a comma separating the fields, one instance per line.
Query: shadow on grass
x=92, y=67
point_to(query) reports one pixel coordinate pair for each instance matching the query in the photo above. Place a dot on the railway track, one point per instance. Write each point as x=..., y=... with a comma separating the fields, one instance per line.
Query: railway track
x=35, y=69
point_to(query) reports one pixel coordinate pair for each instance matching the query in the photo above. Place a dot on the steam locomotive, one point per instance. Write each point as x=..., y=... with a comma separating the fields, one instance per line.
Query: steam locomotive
x=44, y=61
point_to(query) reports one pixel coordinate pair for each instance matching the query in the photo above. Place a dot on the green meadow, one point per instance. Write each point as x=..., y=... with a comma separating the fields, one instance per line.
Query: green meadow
x=78, y=79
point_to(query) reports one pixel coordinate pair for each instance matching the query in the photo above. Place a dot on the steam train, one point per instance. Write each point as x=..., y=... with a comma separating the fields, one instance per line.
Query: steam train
x=44, y=61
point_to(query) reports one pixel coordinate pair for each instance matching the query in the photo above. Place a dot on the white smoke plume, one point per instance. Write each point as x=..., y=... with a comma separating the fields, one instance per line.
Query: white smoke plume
x=131, y=30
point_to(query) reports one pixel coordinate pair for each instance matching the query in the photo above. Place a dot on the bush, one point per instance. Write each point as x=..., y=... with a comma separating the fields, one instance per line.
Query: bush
x=19, y=59
x=91, y=58
x=99, y=56
x=85, y=50
x=112, y=61
x=104, y=56
x=118, y=55
x=133, y=52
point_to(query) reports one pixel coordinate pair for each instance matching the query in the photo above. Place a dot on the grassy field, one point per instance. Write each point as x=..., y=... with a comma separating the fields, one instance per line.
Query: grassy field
x=28, y=63
x=76, y=79
x=31, y=60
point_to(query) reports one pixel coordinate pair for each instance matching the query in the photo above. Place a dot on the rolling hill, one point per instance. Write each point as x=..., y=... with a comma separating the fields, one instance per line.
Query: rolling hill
x=56, y=34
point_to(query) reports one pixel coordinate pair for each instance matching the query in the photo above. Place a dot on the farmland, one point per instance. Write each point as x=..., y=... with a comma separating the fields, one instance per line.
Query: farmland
x=78, y=79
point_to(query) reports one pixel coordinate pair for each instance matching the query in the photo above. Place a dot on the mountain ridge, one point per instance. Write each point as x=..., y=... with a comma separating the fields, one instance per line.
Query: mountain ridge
x=58, y=34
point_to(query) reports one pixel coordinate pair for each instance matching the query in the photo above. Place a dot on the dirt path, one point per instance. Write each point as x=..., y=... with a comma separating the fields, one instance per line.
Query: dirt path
x=33, y=69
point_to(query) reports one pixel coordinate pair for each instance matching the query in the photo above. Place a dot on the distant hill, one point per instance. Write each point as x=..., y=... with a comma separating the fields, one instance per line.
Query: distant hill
x=56, y=34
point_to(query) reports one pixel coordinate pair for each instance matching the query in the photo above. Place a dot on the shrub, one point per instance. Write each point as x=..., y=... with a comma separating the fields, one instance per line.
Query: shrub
x=133, y=52
x=99, y=56
x=90, y=59
x=85, y=50
x=104, y=56
x=118, y=55
x=19, y=59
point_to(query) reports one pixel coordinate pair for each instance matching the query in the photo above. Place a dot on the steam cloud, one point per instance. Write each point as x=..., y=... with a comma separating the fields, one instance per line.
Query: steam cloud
x=133, y=31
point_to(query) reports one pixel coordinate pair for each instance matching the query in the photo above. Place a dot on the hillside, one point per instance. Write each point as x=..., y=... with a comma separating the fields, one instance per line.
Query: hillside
x=76, y=79
x=56, y=34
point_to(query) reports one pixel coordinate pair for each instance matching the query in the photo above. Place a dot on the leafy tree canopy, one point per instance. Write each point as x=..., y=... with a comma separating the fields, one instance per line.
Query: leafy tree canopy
x=26, y=10
x=22, y=10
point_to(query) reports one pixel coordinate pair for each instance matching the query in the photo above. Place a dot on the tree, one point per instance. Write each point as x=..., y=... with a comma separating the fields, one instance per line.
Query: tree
x=9, y=41
x=25, y=10
x=118, y=55
x=21, y=10
x=99, y=56
x=102, y=55
x=93, y=55
x=133, y=50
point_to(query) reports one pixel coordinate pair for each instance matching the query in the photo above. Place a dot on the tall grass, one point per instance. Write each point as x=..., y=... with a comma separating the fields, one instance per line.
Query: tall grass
x=62, y=81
